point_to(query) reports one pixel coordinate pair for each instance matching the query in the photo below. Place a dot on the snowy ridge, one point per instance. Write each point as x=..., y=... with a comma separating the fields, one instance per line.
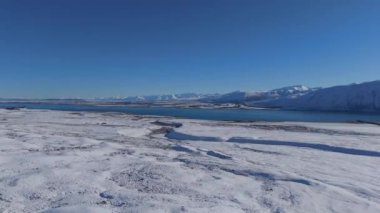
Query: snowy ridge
x=292, y=91
x=233, y=97
x=244, y=97
x=158, y=98
x=353, y=97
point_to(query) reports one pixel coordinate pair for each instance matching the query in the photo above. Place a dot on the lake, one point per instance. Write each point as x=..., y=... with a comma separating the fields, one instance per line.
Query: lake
x=211, y=114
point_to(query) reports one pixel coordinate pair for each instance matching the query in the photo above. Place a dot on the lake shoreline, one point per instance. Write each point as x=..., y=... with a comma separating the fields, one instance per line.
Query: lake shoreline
x=221, y=114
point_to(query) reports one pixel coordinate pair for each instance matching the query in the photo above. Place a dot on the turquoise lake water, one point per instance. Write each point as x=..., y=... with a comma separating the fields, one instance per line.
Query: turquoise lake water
x=212, y=114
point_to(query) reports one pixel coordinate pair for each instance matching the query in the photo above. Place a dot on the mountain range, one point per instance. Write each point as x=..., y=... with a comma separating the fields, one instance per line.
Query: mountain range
x=240, y=97
x=354, y=97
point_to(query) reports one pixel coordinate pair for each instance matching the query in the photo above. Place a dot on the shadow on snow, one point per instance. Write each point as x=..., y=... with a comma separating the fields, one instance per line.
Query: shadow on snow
x=321, y=147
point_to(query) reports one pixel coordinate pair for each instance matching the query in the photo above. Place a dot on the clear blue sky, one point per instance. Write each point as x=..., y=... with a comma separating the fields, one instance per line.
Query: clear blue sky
x=93, y=48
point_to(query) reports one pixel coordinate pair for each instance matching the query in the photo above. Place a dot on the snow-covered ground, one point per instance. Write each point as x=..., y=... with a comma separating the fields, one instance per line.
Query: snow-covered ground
x=53, y=161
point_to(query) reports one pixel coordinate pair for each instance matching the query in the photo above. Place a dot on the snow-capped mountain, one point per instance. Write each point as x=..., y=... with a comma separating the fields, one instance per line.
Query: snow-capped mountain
x=247, y=97
x=233, y=97
x=159, y=98
x=291, y=91
x=353, y=97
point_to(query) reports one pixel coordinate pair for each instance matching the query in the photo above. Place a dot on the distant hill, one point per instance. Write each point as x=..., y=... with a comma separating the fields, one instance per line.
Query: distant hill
x=233, y=97
x=353, y=97
x=159, y=98
x=247, y=97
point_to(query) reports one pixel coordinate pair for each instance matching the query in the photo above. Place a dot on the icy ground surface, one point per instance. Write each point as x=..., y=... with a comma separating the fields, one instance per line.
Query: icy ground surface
x=53, y=161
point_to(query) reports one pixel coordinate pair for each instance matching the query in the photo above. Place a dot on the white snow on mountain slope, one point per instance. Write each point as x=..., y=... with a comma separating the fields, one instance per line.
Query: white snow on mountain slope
x=291, y=91
x=233, y=97
x=158, y=98
x=353, y=97
x=53, y=161
x=246, y=97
